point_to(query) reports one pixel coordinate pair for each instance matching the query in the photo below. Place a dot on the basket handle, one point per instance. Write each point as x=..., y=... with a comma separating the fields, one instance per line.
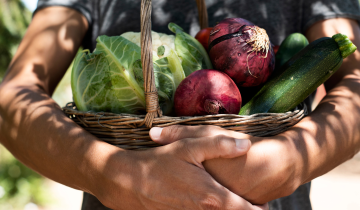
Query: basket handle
x=203, y=15
x=151, y=95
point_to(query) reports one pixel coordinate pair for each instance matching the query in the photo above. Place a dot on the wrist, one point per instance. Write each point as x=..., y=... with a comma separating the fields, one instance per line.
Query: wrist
x=294, y=165
x=283, y=164
x=296, y=142
x=98, y=159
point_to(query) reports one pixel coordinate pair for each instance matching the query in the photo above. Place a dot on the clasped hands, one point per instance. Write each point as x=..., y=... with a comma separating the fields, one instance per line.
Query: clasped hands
x=200, y=167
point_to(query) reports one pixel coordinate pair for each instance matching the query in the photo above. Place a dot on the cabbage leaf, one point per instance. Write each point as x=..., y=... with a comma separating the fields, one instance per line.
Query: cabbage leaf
x=193, y=54
x=102, y=80
x=168, y=75
x=111, y=78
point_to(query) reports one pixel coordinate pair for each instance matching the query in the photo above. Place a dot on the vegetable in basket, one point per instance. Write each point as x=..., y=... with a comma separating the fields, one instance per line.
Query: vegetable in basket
x=207, y=92
x=111, y=78
x=291, y=45
x=203, y=37
x=301, y=75
x=190, y=50
x=242, y=50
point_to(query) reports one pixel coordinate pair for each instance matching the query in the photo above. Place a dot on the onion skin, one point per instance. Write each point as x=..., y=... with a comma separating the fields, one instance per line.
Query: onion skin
x=235, y=57
x=207, y=92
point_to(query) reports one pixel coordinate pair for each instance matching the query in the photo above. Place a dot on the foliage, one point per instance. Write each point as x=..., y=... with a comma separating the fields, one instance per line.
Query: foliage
x=19, y=185
x=14, y=20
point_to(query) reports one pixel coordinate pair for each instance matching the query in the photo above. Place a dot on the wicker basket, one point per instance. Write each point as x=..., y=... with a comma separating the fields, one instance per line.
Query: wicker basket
x=131, y=132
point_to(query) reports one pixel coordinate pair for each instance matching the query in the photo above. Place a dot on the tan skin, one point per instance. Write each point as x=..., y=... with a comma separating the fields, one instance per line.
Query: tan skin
x=275, y=167
x=34, y=129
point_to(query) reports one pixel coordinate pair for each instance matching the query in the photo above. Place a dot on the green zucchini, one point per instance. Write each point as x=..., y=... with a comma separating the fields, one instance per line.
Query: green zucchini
x=289, y=47
x=300, y=76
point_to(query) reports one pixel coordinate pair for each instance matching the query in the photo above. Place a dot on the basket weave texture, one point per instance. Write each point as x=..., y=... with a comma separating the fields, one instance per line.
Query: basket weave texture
x=123, y=130
x=131, y=132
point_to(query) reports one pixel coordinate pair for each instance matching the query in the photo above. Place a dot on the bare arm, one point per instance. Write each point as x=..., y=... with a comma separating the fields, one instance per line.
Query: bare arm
x=32, y=121
x=330, y=135
x=34, y=128
x=274, y=167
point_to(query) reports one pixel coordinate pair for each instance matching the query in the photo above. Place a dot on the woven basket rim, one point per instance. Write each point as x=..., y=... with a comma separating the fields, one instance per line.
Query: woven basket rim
x=70, y=106
x=123, y=130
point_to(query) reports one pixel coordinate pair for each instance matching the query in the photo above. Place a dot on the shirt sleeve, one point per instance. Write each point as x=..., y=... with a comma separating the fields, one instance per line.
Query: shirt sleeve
x=82, y=6
x=314, y=11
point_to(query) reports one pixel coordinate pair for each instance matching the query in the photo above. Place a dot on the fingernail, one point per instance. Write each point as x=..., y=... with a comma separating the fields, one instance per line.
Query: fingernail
x=155, y=133
x=242, y=144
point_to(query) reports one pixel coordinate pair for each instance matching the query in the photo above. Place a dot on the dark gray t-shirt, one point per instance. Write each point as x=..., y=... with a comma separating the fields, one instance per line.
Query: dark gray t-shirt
x=279, y=17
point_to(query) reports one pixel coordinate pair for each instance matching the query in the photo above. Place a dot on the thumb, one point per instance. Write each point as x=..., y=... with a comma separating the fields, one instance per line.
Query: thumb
x=206, y=148
x=174, y=133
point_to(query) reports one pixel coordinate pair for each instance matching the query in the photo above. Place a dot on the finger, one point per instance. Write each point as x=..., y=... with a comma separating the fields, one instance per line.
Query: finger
x=229, y=201
x=262, y=207
x=217, y=196
x=174, y=133
x=206, y=148
x=235, y=202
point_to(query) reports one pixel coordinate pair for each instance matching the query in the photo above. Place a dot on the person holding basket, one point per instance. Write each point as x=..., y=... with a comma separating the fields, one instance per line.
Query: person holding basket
x=199, y=167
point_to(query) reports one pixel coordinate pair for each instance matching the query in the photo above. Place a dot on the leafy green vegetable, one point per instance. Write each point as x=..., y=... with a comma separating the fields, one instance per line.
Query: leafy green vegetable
x=168, y=75
x=161, y=51
x=103, y=81
x=194, y=56
x=111, y=78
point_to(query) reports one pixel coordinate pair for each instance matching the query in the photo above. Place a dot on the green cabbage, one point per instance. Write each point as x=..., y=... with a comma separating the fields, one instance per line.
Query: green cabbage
x=192, y=53
x=111, y=78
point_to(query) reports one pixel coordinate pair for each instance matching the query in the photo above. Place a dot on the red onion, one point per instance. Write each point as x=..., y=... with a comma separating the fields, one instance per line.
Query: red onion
x=206, y=92
x=242, y=50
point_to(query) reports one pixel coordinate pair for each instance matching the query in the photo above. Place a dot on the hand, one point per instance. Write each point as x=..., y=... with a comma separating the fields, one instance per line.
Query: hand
x=265, y=173
x=276, y=166
x=174, y=133
x=171, y=177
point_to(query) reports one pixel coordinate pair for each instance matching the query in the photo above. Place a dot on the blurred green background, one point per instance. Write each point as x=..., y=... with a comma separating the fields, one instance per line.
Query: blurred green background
x=14, y=19
x=20, y=187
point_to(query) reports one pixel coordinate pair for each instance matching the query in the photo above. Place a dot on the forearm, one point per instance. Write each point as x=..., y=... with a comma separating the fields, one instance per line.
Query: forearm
x=43, y=138
x=330, y=135
x=276, y=166
x=317, y=144
x=33, y=126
